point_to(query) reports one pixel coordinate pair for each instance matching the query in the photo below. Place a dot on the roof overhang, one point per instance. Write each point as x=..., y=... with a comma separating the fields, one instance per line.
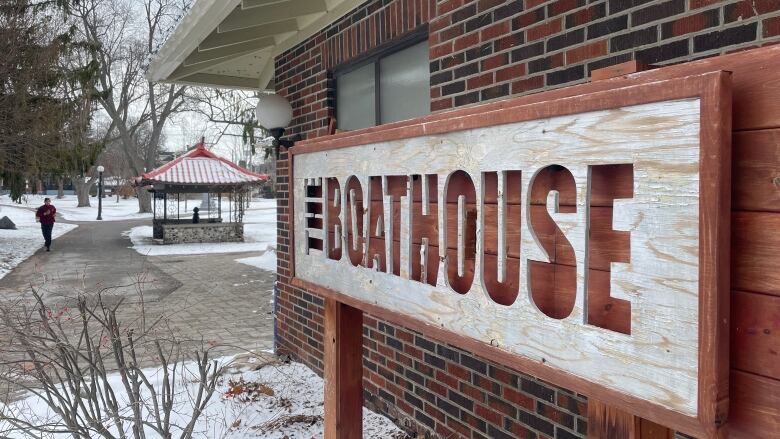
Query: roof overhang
x=233, y=43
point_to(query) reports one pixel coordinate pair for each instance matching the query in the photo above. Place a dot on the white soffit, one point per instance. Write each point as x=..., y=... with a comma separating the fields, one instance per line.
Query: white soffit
x=233, y=43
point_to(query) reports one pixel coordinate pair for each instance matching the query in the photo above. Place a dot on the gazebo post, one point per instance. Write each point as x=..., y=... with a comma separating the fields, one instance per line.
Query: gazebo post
x=165, y=206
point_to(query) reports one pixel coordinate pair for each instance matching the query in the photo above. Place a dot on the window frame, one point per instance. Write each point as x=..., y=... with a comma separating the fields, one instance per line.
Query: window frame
x=374, y=56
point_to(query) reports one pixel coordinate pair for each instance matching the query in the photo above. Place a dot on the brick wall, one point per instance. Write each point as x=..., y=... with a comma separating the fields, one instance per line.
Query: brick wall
x=483, y=50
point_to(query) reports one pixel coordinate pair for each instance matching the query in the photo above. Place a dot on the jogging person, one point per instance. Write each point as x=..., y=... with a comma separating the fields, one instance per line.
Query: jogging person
x=45, y=215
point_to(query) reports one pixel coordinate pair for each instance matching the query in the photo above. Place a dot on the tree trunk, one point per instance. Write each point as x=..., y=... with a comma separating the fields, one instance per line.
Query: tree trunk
x=82, y=188
x=60, y=188
x=144, y=200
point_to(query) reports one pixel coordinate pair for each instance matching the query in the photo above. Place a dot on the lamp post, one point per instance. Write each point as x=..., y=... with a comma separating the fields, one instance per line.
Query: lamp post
x=100, y=170
x=274, y=113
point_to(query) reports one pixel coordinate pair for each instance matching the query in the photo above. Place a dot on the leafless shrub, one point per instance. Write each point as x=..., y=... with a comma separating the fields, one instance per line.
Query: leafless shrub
x=85, y=366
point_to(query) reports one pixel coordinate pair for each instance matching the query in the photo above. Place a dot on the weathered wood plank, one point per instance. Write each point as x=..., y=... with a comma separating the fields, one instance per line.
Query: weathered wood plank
x=755, y=407
x=608, y=422
x=756, y=182
x=755, y=249
x=663, y=219
x=672, y=248
x=755, y=333
x=606, y=244
x=343, y=339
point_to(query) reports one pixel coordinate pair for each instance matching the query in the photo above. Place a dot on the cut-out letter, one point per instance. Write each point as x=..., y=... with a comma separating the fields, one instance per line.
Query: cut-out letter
x=501, y=197
x=607, y=183
x=460, y=216
x=356, y=240
x=553, y=285
x=332, y=218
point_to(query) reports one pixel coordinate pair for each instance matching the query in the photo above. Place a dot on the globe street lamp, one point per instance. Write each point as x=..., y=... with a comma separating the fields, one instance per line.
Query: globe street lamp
x=274, y=113
x=100, y=170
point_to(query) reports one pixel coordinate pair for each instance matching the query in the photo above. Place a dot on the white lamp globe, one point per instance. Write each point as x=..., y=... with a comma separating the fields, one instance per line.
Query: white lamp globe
x=273, y=111
x=101, y=168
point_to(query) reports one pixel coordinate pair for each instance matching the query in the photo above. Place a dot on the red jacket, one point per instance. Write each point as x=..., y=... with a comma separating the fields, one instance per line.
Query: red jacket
x=46, y=214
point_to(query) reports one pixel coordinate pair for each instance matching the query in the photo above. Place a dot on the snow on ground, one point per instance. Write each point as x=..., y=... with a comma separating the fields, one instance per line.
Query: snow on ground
x=66, y=207
x=259, y=398
x=259, y=235
x=266, y=261
x=18, y=245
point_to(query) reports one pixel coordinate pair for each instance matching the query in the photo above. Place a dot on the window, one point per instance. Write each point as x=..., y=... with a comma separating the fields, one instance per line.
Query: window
x=391, y=86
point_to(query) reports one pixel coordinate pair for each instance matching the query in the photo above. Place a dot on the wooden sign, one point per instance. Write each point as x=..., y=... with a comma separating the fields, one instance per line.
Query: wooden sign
x=582, y=240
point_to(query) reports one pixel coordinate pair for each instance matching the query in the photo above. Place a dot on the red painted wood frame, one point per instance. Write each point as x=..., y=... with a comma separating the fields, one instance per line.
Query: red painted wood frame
x=714, y=91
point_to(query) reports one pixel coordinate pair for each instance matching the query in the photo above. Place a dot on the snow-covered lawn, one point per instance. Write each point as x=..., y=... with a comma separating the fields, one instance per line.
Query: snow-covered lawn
x=259, y=236
x=256, y=398
x=18, y=245
x=66, y=207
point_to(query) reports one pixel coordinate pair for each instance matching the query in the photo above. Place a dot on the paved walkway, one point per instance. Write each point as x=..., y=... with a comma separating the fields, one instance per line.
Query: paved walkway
x=202, y=297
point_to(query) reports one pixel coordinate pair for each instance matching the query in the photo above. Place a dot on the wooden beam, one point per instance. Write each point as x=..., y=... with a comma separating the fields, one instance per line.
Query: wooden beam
x=232, y=51
x=265, y=80
x=250, y=17
x=184, y=71
x=343, y=371
x=220, y=81
x=255, y=3
x=220, y=39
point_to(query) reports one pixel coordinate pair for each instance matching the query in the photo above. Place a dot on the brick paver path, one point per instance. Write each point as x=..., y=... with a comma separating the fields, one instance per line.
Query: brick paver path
x=210, y=297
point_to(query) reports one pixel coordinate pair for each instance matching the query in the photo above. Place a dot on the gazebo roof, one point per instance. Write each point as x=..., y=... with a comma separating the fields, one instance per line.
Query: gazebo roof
x=201, y=167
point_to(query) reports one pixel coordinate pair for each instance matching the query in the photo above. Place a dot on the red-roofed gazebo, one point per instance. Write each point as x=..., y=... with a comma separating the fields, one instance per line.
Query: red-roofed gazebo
x=200, y=171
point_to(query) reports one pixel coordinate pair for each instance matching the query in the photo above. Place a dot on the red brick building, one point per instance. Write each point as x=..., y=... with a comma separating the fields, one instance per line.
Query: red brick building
x=486, y=50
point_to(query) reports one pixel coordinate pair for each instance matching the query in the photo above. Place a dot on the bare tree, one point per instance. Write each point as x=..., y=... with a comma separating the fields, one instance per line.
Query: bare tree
x=70, y=359
x=39, y=112
x=123, y=36
x=232, y=113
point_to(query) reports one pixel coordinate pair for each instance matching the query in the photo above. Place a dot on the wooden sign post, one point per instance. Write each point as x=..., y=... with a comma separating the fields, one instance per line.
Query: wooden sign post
x=581, y=240
x=343, y=371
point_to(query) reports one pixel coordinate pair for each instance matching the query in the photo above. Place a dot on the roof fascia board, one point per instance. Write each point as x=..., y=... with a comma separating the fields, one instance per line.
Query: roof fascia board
x=219, y=81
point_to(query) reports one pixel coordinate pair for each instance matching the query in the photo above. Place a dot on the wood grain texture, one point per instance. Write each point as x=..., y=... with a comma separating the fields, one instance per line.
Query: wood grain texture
x=651, y=430
x=343, y=360
x=755, y=408
x=755, y=245
x=665, y=330
x=664, y=243
x=609, y=422
x=714, y=277
x=755, y=333
x=757, y=170
x=520, y=364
